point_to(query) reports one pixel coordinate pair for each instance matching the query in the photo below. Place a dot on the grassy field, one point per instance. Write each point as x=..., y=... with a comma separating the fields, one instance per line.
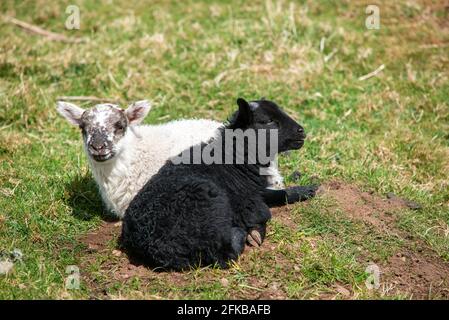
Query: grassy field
x=366, y=138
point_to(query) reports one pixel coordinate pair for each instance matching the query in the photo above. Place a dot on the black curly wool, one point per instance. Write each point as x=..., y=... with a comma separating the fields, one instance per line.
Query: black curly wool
x=200, y=214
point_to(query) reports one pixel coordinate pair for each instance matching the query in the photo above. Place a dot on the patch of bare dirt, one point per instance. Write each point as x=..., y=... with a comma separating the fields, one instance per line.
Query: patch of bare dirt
x=283, y=215
x=416, y=271
x=419, y=275
x=364, y=206
x=98, y=240
x=118, y=267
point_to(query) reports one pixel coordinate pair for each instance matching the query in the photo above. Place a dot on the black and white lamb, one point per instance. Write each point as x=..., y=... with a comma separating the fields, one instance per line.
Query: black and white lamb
x=200, y=214
x=123, y=154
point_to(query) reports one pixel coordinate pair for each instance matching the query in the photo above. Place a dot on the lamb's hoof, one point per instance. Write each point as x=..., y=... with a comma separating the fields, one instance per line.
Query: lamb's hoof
x=254, y=238
x=310, y=191
x=301, y=193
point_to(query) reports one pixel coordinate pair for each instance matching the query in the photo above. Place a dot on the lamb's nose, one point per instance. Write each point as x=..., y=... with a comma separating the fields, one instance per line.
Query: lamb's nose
x=97, y=147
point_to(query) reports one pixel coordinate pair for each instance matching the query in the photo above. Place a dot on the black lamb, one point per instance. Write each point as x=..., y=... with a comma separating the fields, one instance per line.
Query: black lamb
x=202, y=213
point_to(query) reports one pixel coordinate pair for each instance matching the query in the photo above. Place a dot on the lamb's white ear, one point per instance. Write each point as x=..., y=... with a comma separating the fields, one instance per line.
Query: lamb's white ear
x=70, y=111
x=137, y=111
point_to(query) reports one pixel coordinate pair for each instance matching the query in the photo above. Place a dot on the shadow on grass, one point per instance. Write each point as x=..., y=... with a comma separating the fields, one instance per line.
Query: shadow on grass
x=82, y=195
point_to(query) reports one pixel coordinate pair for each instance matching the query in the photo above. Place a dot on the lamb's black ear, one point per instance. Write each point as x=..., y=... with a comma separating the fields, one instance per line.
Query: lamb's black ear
x=244, y=116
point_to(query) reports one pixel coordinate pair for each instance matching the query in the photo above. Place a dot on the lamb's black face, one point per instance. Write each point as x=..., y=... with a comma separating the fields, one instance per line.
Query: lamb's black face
x=264, y=114
x=268, y=115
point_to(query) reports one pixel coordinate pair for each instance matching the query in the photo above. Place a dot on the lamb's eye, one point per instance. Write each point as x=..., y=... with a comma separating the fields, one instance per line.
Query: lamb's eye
x=269, y=123
x=118, y=126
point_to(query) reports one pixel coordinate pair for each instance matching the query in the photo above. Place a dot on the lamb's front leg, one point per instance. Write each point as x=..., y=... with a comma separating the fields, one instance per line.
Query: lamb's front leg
x=274, y=198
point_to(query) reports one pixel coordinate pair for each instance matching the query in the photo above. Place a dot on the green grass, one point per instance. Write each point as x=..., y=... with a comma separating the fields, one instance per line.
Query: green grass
x=193, y=59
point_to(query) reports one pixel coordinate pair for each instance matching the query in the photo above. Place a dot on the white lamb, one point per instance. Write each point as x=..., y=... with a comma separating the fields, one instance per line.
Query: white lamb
x=124, y=155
